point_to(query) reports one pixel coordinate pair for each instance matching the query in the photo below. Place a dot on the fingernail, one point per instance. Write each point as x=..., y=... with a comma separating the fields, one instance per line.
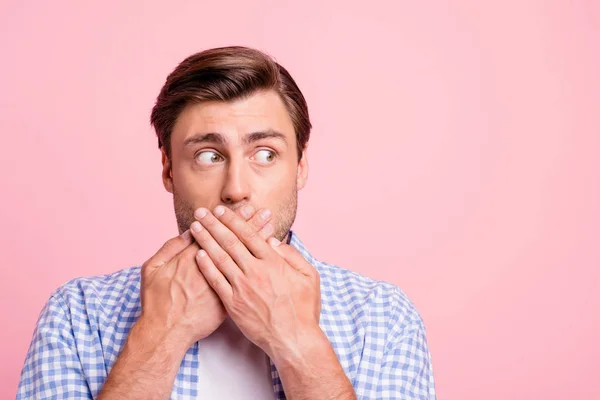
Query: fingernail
x=266, y=213
x=247, y=211
x=201, y=213
x=196, y=227
x=187, y=235
x=219, y=210
x=274, y=242
x=201, y=253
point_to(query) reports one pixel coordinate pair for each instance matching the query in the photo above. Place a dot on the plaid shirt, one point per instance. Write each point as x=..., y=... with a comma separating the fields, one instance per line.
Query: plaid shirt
x=376, y=332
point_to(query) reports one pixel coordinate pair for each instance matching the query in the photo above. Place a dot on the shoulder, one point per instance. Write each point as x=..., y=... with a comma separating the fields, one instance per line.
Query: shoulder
x=100, y=292
x=366, y=298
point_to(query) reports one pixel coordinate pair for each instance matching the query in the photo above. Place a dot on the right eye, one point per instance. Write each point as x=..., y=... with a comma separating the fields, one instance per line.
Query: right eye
x=208, y=157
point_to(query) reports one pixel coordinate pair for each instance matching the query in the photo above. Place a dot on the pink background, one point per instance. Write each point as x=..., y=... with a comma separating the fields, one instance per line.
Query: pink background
x=455, y=153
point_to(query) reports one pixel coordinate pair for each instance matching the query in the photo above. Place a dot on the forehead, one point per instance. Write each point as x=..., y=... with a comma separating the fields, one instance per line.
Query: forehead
x=261, y=111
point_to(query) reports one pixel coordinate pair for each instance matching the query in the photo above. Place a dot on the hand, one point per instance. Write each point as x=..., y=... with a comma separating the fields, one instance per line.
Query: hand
x=178, y=308
x=270, y=291
x=176, y=299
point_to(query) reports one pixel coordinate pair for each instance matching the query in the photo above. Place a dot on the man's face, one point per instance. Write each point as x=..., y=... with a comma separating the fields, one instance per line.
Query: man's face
x=233, y=154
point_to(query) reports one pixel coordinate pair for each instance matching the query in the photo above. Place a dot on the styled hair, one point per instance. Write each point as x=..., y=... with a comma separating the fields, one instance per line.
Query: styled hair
x=227, y=74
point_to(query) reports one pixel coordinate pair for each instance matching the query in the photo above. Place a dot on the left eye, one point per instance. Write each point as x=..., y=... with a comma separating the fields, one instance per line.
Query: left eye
x=265, y=156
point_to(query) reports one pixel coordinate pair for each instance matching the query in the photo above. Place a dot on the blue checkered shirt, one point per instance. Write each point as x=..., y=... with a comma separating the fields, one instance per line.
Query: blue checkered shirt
x=376, y=332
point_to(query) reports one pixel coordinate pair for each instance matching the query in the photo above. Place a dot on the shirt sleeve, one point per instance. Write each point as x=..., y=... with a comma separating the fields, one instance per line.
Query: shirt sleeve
x=52, y=367
x=406, y=372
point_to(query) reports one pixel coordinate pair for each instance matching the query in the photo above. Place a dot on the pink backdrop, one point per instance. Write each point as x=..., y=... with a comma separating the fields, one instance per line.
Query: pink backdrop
x=455, y=153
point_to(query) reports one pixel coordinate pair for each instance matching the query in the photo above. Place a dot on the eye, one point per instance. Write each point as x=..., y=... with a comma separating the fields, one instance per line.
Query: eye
x=265, y=156
x=208, y=157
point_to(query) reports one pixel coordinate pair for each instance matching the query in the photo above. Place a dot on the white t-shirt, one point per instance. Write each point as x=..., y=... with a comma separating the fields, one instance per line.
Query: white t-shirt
x=232, y=367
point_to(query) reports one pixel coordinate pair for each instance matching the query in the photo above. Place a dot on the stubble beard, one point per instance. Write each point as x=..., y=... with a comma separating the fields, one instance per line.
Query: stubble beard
x=282, y=220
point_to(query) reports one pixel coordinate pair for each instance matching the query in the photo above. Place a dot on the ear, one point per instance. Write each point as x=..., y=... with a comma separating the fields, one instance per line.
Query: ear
x=167, y=174
x=302, y=174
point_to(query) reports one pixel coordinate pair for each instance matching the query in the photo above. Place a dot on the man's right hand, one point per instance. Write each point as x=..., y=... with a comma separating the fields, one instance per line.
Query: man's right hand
x=178, y=308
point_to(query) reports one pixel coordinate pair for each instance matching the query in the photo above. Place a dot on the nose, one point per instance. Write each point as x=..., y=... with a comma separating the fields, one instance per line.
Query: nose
x=236, y=188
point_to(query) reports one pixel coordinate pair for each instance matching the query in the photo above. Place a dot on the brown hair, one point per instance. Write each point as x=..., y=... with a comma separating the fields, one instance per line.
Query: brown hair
x=226, y=74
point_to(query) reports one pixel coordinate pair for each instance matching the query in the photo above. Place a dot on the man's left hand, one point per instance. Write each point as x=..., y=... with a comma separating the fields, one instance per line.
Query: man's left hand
x=269, y=290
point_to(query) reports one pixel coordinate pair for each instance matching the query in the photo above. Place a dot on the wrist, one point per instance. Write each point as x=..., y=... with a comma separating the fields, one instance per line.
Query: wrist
x=306, y=350
x=146, y=339
x=309, y=368
x=146, y=367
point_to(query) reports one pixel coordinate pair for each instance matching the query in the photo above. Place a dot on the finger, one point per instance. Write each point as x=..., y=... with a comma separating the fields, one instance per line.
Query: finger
x=246, y=211
x=229, y=241
x=293, y=257
x=170, y=249
x=214, y=277
x=221, y=259
x=266, y=232
x=259, y=220
x=235, y=226
x=184, y=263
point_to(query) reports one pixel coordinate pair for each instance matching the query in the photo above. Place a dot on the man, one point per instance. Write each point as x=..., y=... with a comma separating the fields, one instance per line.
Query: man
x=226, y=310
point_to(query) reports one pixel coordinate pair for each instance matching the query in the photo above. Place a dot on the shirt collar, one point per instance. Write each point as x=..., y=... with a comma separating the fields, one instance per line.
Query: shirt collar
x=294, y=241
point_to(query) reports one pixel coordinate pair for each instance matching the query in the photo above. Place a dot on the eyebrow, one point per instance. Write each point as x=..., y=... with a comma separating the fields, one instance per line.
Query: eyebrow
x=217, y=138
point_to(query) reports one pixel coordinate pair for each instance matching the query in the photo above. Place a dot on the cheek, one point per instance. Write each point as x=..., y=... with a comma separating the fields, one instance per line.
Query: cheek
x=196, y=187
x=278, y=179
x=277, y=191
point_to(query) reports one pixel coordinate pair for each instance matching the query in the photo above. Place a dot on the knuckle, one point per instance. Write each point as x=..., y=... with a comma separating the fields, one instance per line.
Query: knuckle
x=210, y=220
x=169, y=247
x=236, y=281
x=260, y=281
x=144, y=274
x=256, y=221
x=169, y=244
x=216, y=283
x=221, y=259
x=249, y=234
x=238, y=305
x=231, y=242
x=251, y=274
